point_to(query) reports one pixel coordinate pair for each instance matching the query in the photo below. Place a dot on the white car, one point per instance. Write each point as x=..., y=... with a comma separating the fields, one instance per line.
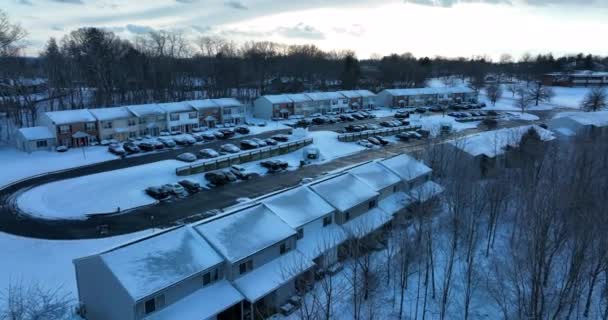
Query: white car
x=208, y=153
x=176, y=189
x=186, y=157
x=365, y=143
x=230, y=148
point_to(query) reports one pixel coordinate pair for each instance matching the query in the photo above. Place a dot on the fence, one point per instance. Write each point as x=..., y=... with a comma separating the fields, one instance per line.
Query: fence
x=354, y=136
x=241, y=157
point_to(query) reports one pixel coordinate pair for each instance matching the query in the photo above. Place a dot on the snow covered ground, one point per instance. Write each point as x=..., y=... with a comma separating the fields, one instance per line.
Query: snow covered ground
x=18, y=165
x=124, y=188
x=564, y=98
x=434, y=122
x=49, y=262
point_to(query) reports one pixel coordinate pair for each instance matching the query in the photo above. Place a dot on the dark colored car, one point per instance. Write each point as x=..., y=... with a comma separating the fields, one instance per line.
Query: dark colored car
x=358, y=116
x=274, y=165
x=436, y=108
x=218, y=135
x=208, y=136
x=303, y=123
x=242, y=130
x=157, y=193
x=228, y=133
x=146, y=146
x=159, y=145
x=271, y=142
x=248, y=145
x=381, y=140
x=280, y=137
x=420, y=110
x=130, y=147
x=318, y=120
x=190, y=186
x=402, y=114
x=197, y=137
x=230, y=176
x=216, y=178
x=405, y=136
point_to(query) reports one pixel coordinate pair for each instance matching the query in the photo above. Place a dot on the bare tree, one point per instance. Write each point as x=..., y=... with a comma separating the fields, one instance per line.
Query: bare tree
x=539, y=93
x=595, y=100
x=494, y=92
x=523, y=99
x=11, y=37
x=34, y=302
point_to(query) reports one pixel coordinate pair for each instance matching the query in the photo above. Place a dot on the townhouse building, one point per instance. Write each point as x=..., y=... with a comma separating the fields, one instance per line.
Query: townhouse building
x=368, y=99
x=273, y=106
x=35, y=139
x=116, y=123
x=413, y=97
x=72, y=128
x=302, y=104
x=354, y=99
x=232, y=111
x=326, y=102
x=209, y=112
x=248, y=261
x=152, y=119
x=181, y=116
x=577, y=78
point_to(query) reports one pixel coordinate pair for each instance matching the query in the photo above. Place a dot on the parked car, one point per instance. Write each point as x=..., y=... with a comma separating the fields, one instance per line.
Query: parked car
x=197, y=137
x=168, y=142
x=354, y=128
x=248, y=144
x=404, y=136
x=190, y=139
x=228, y=133
x=421, y=110
x=180, y=140
x=274, y=165
x=271, y=142
x=216, y=178
x=303, y=123
x=218, y=135
x=208, y=136
x=116, y=149
x=158, y=144
x=146, y=146
x=416, y=135
x=386, y=124
x=105, y=143
x=358, y=116
x=176, y=189
x=401, y=114
x=157, y=193
x=208, y=153
x=241, y=173
x=230, y=148
x=365, y=143
x=381, y=140
x=186, y=157
x=280, y=137
x=242, y=130
x=373, y=140
x=175, y=132
x=404, y=122
x=319, y=120
x=229, y=175
x=260, y=142
x=130, y=147
x=436, y=108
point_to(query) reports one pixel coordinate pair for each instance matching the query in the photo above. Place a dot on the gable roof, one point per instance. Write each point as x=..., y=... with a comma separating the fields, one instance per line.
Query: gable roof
x=298, y=206
x=37, y=133
x=277, y=98
x=298, y=97
x=148, y=265
x=375, y=175
x=142, y=110
x=366, y=93
x=70, y=116
x=176, y=106
x=427, y=90
x=242, y=233
x=103, y=114
x=344, y=191
x=227, y=102
x=202, y=104
x=406, y=167
x=350, y=93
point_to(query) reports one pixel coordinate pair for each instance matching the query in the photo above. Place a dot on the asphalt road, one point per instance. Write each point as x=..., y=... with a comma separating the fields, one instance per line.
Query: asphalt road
x=188, y=209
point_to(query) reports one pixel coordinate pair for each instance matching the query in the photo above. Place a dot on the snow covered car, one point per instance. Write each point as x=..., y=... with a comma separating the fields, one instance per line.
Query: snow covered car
x=146, y=146
x=157, y=193
x=186, y=157
x=280, y=137
x=248, y=144
x=271, y=142
x=180, y=140
x=242, y=130
x=241, y=173
x=230, y=176
x=197, y=137
x=274, y=165
x=365, y=143
x=260, y=142
x=190, y=186
x=208, y=153
x=159, y=145
x=61, y=149
x=168, y=142
x=208, y=136
x=218, y=135
x=189, y=139
x=381, y=140
x=176, y=189
x=227, y=133
x=230, y=148
x=216, y=178
x=117, y=150
x=373, y=141
x=130, y=147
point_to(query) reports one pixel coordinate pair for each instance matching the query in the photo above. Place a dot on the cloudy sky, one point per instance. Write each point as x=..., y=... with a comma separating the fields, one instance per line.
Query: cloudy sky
x=423, y=27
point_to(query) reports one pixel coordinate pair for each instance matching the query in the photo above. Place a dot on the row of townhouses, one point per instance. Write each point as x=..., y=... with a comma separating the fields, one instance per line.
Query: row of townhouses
x=577, y=78
x=306, y=104
x=83, y=127
x=249, y=260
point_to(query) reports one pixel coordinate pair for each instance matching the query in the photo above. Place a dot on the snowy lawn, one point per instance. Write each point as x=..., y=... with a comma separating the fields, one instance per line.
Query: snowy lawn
x=433, y=123
x=18, y=165
x=124, y=188
x=564, y=98
x=49, y=262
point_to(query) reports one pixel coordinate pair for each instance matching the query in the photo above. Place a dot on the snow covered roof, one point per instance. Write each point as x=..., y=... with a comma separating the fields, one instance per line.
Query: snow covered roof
x=316, y=241
x=240, y=234
x=375, y=175
x=298, y=206
x=394, y=202
x=422, y=91
x=406, y=167
x=368, y=222
x=277, y=98
x=70, y=116
x=272, y=275
x=142, y=110
x=176, y=106
x=298, y=97
x=227, y=102
x=493, y=143
x=148, y=265
x=598, y=119
x=366, y=93
x=103, y=114
x=37, y=133
x=202, y=104
x=344, y=191
x=350, y=93
x=204, y=303
x=319, y=96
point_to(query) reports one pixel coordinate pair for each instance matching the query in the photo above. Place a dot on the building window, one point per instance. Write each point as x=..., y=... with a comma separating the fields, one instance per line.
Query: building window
x=283, y=248
x=215, y=275
x=131, y=122
x=192, y=115
x=226, y=111
x=107, y=125
x=41, y=144
x=372, y=204
x=154, y=304
x=160, y=117
x=346, y=216
x=206, y=278
x=132, y=134
x=174, y=117
x=64, y=129
x=89, y=126
x=326, y=221
x=300, y=234
x=246, y=266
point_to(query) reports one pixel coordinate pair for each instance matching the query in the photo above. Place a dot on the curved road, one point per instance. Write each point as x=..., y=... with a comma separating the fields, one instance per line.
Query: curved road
x=181, y=210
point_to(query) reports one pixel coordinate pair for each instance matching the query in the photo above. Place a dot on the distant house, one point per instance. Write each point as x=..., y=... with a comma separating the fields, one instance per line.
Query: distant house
x=152, y=119
x=572, y=123
x=368, y=99
x=181, y=116
x=325, y=102
x=260, y=254
x=168, y=274
x=209, y=112
x=578, y=78
x=35, y=138
x=233, y=111
x=302, y=104
x=72, y=128
x=273, y=106
x=354, y=99
x=116, y=123
x=413, y=97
